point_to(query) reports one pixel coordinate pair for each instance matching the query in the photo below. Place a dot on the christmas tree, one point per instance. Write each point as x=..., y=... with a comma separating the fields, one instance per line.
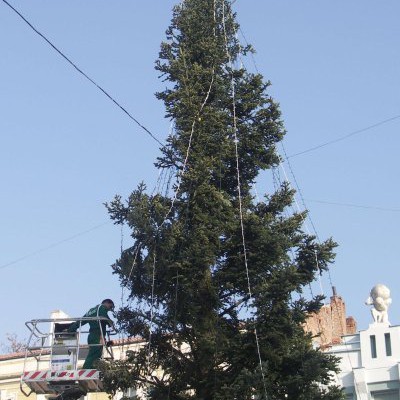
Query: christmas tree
x=216, y=276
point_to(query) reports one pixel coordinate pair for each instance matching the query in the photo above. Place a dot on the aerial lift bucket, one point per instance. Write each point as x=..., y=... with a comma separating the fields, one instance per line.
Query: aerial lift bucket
x=52, y=357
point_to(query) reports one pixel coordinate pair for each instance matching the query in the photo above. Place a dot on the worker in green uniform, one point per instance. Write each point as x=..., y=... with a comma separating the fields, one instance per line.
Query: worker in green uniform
x=97, y=330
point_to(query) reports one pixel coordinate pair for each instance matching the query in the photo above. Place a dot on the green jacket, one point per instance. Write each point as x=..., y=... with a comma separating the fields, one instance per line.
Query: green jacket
x=94, y=326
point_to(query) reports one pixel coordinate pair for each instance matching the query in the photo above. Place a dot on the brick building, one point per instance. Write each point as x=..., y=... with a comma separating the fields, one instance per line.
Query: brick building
x=331, y=323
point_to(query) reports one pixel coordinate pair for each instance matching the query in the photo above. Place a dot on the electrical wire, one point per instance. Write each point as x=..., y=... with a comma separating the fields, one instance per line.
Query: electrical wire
x=358, y=131
x=299, y=191
x=355, y=205
x=307, y=229
x=68, y=239
x=84, y=74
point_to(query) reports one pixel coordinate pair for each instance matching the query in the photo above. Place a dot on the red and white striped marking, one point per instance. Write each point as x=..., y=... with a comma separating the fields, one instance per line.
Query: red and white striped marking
x=88, y=373
x=82, y=374
x=35, y=375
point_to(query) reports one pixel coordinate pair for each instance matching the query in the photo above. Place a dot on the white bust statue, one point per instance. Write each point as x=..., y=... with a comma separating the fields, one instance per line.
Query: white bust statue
x=380, y=299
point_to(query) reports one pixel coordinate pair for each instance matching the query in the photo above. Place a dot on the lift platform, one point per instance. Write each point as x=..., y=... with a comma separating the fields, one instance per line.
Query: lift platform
x=53, y=356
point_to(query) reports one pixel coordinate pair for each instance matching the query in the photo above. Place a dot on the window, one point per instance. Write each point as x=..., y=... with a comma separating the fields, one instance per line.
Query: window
x=372, y=340
x=5, y=395
x=388, y=344
x=385, y=395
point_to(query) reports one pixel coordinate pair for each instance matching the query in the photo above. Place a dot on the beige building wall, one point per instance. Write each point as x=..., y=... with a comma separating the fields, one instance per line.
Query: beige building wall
x=12, y=368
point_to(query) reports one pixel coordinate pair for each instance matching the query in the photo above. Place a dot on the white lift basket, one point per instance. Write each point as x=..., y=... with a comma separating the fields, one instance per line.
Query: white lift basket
x=53, y=354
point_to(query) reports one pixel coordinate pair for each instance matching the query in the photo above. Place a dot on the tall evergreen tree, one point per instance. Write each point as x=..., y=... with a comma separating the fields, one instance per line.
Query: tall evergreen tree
x=215, y=276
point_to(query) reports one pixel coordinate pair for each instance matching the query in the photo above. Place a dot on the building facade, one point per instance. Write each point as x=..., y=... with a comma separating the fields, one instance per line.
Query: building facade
x=331, y=323
x=370, y=359
x=370, y=363
x=37, y=360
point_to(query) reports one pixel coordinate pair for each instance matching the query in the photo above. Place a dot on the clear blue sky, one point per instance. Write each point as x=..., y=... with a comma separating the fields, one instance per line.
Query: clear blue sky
x=65, y=148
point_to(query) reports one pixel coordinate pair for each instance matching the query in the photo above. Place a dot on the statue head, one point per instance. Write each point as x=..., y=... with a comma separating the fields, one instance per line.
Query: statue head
x=380, y=300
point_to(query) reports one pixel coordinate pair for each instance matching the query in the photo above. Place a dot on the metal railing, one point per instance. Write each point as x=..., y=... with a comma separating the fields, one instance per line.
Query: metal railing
x=42, y=342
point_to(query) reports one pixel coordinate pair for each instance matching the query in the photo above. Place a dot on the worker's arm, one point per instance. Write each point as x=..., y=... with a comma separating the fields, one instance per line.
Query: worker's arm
x=75, y=325
x=103, y=312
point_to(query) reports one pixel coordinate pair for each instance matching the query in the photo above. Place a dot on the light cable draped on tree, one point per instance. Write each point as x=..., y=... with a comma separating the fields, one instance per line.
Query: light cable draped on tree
x=210, y=274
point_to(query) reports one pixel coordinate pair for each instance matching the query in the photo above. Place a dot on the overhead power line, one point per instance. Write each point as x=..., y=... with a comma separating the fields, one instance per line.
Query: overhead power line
x=50, y=246
x=339, y=139
x=355, y=205
x=83, y=73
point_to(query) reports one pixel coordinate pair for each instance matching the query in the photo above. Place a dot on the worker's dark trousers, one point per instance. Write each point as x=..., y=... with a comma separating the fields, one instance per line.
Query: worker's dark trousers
x=94, y=351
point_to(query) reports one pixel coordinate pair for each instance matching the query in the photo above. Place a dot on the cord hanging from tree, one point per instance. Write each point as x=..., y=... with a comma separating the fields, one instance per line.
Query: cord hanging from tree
x=240, y=195
x=207, y=312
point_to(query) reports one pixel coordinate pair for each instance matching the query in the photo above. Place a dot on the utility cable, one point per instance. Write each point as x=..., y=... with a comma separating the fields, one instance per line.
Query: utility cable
x=339, y=139
x=298, y=209
x=68, y=239
x=84, y=74
x=355, y=205
x=298, y=189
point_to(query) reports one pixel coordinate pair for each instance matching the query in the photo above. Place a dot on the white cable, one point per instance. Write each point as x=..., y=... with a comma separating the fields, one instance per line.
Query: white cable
x=307, y=229
x=239, y=192
x=176, y=192
x=308, y=232
x=187, y=152
x=295, y=199
x=151, y=314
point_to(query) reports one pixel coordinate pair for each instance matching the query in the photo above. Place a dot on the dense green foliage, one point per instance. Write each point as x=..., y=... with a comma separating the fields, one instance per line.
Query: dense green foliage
x=186, y=272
